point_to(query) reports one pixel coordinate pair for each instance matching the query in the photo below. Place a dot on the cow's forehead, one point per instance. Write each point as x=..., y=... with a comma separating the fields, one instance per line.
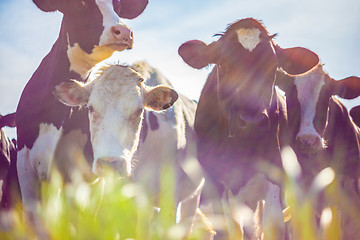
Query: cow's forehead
x=107, y=10
x=247, y=23
x=310, y=84
x=116, y=84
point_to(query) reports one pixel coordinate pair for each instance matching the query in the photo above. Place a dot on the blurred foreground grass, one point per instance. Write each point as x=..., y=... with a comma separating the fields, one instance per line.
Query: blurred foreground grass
x=110, y=208
x=116, y=208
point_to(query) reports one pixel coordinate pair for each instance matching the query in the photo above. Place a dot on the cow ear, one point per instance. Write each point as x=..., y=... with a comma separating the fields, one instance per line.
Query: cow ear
x=198, y=54
x=48, y=5
x=348, y=88
x=129, y=8
x=284, y=80
x=160, y=98
x=72, y=93
x=8, y=120
x=296, y=60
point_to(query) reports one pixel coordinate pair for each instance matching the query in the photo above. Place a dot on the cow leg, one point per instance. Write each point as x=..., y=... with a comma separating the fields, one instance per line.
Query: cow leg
x=34, y=166
x=29, y=183
x=41, y=155
x=29, y=187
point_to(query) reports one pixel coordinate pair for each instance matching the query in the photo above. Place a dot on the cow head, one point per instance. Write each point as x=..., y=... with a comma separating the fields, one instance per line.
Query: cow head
x=89, y=24
x=116, y=101
x=246, y=61
x=307, y=98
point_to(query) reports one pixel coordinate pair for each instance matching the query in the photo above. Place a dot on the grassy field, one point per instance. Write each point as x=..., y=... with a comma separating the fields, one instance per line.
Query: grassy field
x=115, y=208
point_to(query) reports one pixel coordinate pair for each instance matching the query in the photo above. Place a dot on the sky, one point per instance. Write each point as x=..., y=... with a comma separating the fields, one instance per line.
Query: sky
x=331, y=28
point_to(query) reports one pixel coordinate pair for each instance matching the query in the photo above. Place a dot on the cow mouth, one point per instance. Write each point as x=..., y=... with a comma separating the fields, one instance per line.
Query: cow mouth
x=120, y=46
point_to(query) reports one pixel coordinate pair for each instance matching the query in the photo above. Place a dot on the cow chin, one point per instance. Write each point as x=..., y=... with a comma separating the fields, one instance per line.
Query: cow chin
x=120, y=46
x=104, y=165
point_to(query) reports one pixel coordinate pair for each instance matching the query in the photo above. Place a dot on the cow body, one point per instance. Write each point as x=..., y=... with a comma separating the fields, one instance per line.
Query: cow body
x=128, y=124
x=239, y=116
x=91, y=31
x=167, y=138
x=324, y=135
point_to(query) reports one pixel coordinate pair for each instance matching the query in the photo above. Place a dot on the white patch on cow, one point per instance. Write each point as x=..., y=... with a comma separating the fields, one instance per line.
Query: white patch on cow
x=308, y=87
x=257, y=207
x=28, y=180
x=110, y=19
x=42, y=153
x=273, y=217
x=248, y=37
x=82, y=62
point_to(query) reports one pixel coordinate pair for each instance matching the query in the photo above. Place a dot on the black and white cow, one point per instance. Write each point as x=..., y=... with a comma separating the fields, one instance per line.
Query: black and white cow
x=128, y=121
x=91, y=31
x=324, y=135
x=240, y=114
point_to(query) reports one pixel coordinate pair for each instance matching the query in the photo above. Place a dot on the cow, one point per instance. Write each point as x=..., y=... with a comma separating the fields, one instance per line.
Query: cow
x=10, y=190
x=90, y=32
x=318, y=121
x=240, y=113
x=128, y=121
x=321, y=130
x=5, y=145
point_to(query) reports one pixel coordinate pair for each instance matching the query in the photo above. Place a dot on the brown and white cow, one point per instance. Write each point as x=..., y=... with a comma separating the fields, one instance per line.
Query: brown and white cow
x=240, y=113
x=323, y=133
x=91, y=31
x=126, y=109
x=319, y=122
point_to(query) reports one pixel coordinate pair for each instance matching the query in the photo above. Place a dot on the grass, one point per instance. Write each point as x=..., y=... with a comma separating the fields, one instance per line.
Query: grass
x=116, y=208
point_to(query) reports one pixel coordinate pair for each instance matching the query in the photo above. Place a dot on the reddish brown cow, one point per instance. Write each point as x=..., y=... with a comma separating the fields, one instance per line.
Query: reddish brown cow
x=323, y=134
x=319, y=123
x=240, y=113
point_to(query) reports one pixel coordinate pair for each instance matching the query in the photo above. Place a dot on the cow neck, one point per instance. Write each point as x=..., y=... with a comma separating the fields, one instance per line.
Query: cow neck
x=82, y=62
x=58, y=60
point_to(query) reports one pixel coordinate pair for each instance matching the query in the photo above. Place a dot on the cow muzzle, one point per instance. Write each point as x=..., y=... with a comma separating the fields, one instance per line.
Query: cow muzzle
x=124, y=37
x=242, y=124
x=119, y=165
x=309, y=143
